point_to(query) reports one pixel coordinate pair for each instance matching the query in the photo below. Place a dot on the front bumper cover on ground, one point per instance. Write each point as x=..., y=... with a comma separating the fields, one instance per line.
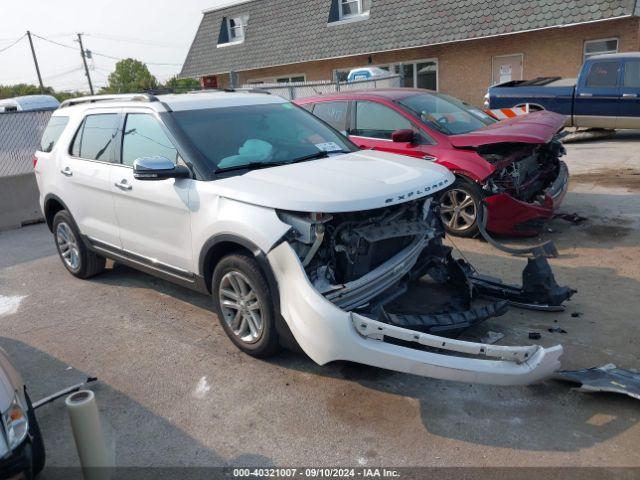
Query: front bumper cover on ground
x=328, y=333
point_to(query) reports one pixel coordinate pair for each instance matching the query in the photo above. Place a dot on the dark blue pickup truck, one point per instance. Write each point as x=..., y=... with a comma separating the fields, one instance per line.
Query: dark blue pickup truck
x=605, y=95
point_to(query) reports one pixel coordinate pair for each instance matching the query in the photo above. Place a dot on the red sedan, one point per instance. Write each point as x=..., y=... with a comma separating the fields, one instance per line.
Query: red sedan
x=513, y=165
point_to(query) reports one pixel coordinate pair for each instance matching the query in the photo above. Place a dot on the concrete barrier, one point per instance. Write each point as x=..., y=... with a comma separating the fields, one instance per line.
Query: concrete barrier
x=19, y=201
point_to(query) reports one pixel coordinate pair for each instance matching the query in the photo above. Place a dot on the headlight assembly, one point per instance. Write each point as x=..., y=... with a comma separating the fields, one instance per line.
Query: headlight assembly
x=16, y=423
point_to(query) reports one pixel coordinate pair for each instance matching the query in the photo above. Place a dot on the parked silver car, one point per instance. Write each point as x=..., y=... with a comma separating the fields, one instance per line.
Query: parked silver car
x=21, y=445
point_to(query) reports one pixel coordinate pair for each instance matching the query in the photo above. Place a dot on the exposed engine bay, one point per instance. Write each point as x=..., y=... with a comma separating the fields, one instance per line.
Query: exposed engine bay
x=524, y=171
x=367, y=262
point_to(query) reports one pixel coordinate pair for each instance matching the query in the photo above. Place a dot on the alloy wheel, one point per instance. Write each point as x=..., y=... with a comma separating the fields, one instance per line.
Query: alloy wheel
x=68, y=246
x=458, y=210
x=241, y=307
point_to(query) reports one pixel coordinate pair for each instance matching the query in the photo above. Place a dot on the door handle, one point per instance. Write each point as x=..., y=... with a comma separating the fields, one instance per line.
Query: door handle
x=583, y=94
x=123, y=185
x=629, y=95
x=66, y=171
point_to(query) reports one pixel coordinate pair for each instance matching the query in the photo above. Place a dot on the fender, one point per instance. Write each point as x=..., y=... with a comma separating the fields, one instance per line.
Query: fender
x=259, y=255
x=286, y=337
x=47, y=199
x=468, y=164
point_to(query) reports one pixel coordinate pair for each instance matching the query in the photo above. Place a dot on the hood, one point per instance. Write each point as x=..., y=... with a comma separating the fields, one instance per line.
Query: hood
x=535, y=127
x=355, y=181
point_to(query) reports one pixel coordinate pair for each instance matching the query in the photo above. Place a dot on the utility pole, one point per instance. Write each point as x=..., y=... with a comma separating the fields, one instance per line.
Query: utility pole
x=84, y=60
x=35, y=61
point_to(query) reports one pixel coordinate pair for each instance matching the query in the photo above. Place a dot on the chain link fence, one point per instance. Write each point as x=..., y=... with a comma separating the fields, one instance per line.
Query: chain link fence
x=20, y=134
x=296, y=90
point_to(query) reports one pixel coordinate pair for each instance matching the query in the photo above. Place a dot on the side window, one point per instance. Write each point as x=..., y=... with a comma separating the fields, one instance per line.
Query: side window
x=603, y=74
x=52, y=133
x=378, y=121
x=334, y=113
x=96, y=137
x=632, y=73
x=144, y=137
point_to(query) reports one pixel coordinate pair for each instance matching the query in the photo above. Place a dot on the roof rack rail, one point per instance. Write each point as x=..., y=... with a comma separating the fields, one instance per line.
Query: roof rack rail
x=204, y=90
x=248, y=90
x=134, y=97
x=231, y=90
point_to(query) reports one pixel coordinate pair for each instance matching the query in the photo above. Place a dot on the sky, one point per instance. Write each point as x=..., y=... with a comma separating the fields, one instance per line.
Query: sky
x=117, y=28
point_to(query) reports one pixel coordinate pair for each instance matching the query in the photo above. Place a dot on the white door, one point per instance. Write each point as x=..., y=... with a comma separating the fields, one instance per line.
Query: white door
x=153, y=215
x=85, y=176
x=506, y=68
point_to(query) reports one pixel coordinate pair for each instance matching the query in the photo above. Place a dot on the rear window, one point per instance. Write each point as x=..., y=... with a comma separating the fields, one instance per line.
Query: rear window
x=632, y=74
x=333, y=113
x=96, y=137
x=52, y=133
x=603, y=74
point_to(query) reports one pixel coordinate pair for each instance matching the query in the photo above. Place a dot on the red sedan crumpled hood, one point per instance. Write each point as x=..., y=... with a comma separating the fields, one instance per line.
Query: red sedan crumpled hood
x=535, y=127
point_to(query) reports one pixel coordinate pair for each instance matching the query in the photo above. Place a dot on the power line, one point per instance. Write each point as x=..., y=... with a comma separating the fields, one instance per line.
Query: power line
x=54, y=42
x=63, y=74
x=12, y=44
x=115, y=38
x=98, y=54
x=148, y=63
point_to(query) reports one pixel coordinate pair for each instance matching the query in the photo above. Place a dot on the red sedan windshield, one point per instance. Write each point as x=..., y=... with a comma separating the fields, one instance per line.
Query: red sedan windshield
x=446, y=114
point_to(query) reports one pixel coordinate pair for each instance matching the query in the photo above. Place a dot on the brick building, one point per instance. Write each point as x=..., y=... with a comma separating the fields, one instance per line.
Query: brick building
x=459, y=47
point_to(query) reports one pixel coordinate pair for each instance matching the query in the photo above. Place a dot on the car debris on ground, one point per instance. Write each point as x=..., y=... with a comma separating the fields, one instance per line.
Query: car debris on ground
x=571, y=218
x=606, y=378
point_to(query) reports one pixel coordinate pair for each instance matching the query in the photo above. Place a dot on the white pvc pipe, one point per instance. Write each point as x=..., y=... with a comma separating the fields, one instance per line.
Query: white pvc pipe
x=87, y=433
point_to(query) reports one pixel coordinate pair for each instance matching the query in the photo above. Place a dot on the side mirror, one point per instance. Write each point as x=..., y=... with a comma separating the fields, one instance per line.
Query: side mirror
x=158, y=168
x=403, y=136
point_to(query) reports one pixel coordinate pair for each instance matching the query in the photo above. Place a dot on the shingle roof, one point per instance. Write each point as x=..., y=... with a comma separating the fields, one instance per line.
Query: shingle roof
x=281, y=32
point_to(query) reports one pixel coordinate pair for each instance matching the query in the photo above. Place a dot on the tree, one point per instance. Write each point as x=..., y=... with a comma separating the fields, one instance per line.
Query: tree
x=130, y=76
x=181, y=85
x=20, y=89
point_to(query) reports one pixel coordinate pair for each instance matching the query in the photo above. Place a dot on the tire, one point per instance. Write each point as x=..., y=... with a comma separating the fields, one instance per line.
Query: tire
x=75, y=256
x=532, y=108
x=459, y=207
x=238, y=282
x=38, y=454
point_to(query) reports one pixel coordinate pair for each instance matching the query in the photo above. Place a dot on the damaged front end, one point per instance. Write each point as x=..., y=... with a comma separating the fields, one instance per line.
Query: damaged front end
x=529, y=183
x=406, y=296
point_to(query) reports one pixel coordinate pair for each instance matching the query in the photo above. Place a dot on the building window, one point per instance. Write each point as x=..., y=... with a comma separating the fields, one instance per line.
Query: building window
x=599, y=47
x=233, y=30
x=415, y=74
x=237, y=26
x=292, y=79
x=351, y=8
x=296, y=78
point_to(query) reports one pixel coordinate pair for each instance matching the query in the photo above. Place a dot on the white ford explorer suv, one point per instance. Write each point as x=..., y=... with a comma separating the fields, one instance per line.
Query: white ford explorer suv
x=301, y=239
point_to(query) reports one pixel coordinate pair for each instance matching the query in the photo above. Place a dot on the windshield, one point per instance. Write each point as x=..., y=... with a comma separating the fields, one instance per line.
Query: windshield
x=258, y=136
x=446, y=114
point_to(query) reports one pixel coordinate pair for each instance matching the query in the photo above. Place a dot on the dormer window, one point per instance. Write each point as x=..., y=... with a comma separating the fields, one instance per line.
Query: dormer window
x=353, y=8
x=237, y=26
x=232, y=30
